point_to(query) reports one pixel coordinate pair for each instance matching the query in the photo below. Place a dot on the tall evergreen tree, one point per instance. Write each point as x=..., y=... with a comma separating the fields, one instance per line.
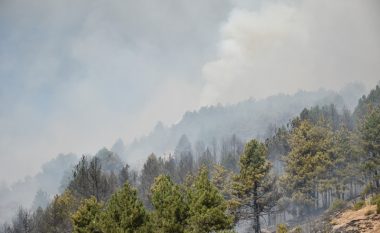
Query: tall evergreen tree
x=152, y=168
x=184, y=155
x=89, y=180
x=346, y=170
x=87, y=218
x=370, y=134
x=41, y=199
x=23, y=222
x=57, y=214
x=124, y=175
x=170, y=207
x=124, y=212
x=309, y=166
x=206, y=159
x=207, y=207
x=251, y=184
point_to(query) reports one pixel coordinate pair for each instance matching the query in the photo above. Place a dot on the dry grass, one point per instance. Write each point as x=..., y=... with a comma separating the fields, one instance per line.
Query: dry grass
x=358, y=219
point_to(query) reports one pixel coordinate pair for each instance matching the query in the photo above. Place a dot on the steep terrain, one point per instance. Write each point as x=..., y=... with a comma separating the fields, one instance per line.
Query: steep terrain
x=364, y=220
x=246, y=119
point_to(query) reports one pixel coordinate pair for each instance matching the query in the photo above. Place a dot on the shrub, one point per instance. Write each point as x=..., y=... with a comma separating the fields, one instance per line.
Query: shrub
x=298, y=229
x=337, y=205
x=358, y=205
x=281, y=228
x=369, y=188
x=375, y=199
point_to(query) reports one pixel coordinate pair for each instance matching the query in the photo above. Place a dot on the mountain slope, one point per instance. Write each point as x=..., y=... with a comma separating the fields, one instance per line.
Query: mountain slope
x=247, y=119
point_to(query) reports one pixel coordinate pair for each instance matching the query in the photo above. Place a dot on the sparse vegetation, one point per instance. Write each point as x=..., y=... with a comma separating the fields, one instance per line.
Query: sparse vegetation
x=337, y=205
x=358, y=205
x=369, y=212
x=297, y=230
x=281, y=228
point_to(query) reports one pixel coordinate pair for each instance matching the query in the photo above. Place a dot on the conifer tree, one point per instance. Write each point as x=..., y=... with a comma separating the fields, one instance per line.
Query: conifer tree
x=87, y=218
x=152, y=168
x=207, y=207
x=222, y=179
x=184, y=155
x=370, y=134
x=41, y=199
x=124, y=175
x=206, y=159
x=346, y=162
x=170, y=209
x=309, y=166
x=57, y=214
x=251, y=184
x=124, y=213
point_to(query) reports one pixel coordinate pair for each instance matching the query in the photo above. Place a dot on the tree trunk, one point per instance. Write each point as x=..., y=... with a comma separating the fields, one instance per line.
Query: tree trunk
x=351, y=190
x=377, y=183
x=256, y=218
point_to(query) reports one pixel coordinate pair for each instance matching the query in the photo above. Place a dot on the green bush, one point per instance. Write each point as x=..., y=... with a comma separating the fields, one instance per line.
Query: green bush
x=375, y=199
x=297, y=230
x=337, y=205
x=358, y=205
x=369, y=188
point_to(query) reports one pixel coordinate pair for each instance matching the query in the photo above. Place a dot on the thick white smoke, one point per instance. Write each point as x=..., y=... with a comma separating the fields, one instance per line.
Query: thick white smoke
x=283, y=46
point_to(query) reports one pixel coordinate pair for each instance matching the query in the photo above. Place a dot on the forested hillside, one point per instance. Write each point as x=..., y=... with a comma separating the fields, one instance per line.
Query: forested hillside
x=313, y=163
x=247, y=119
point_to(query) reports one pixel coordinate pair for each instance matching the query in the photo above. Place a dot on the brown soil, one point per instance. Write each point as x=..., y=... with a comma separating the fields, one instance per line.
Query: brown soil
x=364, y=220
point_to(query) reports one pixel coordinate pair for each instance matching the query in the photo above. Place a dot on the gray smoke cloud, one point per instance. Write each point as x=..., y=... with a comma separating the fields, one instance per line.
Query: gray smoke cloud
x=77, y=75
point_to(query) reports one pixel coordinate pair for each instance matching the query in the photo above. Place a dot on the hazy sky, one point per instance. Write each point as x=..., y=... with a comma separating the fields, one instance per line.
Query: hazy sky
x=75, y=75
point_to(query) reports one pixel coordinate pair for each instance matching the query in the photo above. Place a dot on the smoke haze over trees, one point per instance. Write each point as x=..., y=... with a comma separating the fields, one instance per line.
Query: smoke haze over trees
x=167, y=106
x=123, y=65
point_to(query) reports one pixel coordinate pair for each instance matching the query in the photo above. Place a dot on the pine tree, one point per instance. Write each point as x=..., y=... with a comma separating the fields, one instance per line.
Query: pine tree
x=57, y=214
x=23, y=222
x=87, y=218
x=370, y=135
x=251, y=184
x=207, y=208
x=170, y=209
x=41, y=199
x=309, y=166
x=222, y=179
x=206, y=159
x=89, y=180
x=184, y=155
x=124, y=213
x=231, y=149
x=169, y=168
x=124, y=175
x=346, y=163
x=152, y=168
